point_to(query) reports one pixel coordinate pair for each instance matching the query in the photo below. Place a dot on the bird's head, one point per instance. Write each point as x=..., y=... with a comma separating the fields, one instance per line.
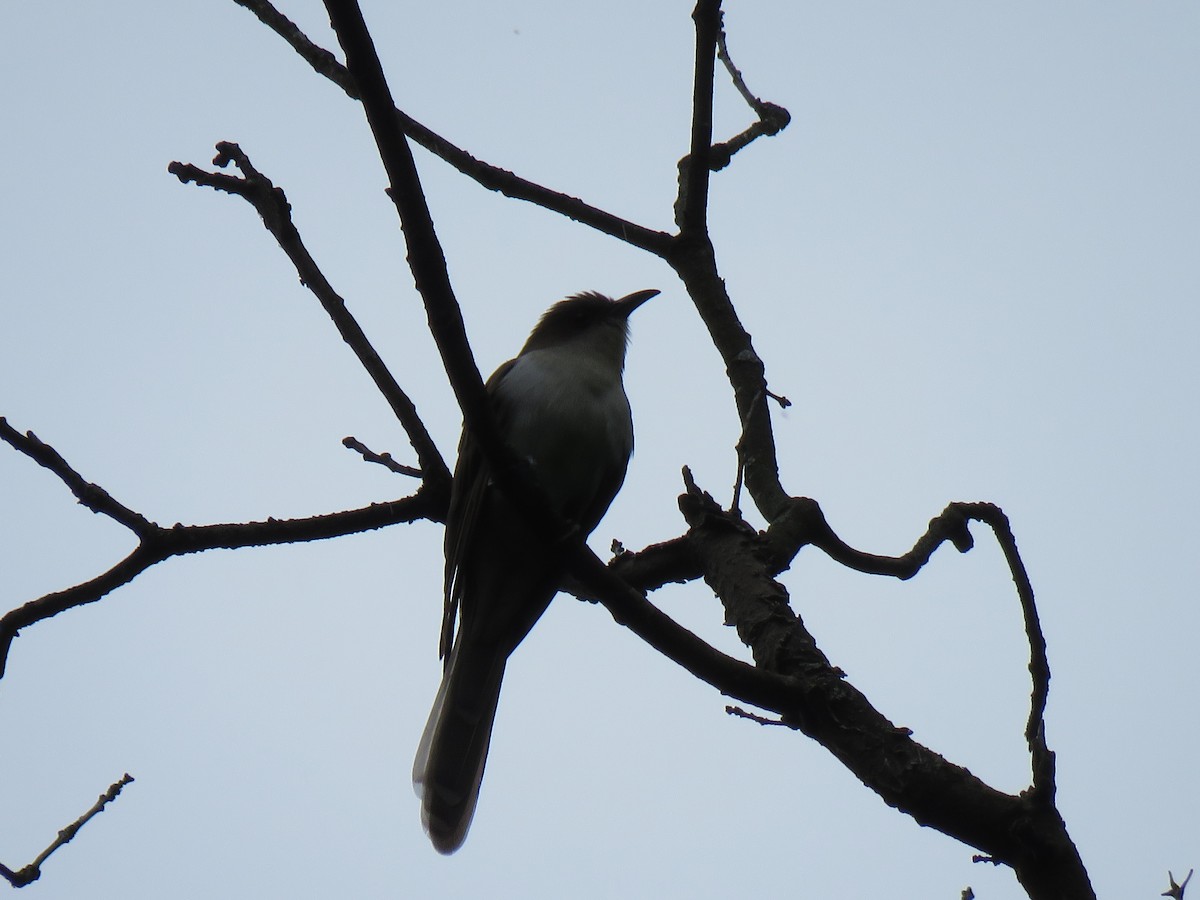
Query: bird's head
x=587, y=322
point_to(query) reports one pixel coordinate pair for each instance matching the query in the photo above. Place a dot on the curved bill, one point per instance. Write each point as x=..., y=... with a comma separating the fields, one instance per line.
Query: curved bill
x=630, y=302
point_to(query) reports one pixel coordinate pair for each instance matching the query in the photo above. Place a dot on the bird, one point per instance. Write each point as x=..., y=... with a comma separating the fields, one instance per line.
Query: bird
x=560, y=405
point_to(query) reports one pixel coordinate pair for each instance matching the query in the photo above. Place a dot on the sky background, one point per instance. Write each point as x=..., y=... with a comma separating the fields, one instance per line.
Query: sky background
x=971, y=262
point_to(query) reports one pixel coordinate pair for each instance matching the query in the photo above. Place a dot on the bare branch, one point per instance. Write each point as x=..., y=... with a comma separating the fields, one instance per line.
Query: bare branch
x=489, y=176
x=754, y=717
x=90, y=495
x=694, y=260
x=33, y=871
x=804, y=523
x=1039, y=665
x=383, y=459
x=157, y=543
x=1020, y=831
x=322, y=61
x=772, y=118
x=276, y=212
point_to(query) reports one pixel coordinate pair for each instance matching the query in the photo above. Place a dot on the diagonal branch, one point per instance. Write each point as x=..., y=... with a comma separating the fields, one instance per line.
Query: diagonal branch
x=1024, y=832
x=33, y=871
x=272, y=204
x=489, y=176
x=89, y=495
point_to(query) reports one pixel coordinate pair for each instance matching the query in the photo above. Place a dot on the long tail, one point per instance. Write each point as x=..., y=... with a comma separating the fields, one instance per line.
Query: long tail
x=453, y=750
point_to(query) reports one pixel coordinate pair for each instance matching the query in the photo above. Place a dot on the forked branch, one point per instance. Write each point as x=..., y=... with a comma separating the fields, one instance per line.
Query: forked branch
x=157, y=543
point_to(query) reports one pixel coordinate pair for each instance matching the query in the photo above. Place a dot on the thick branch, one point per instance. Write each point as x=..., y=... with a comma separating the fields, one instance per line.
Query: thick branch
x=1024, y=832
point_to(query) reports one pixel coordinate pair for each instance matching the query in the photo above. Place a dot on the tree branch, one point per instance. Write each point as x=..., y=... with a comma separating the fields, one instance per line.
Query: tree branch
x=156, y=543
x=1024, y=832
x=33, y=871
x=772, y=118
x=89, y=495
x=272, y=204
x=489, y=176
x=694, y=261
x=383, y=459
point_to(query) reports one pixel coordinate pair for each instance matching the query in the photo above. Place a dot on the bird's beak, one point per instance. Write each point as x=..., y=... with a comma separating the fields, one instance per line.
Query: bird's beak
x=630, y=302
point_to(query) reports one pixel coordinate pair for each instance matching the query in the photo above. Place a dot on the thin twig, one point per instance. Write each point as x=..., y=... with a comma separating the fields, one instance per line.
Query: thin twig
x=772, y=118
x=383, y=459
x=32, y=872
x=753, y=717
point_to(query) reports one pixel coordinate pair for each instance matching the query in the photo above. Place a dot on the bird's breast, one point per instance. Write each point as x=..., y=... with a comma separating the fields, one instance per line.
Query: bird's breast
x=569, y=416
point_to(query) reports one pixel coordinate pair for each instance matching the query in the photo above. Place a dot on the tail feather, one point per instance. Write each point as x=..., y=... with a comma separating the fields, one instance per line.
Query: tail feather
x=450, y=759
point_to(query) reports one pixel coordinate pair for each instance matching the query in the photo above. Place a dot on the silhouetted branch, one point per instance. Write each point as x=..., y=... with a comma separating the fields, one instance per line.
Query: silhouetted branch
x=1176, y=890
x=694, y=261
x=491, y=177
x=1043, y=787
x=383, y=459
x=753, y=717
x=276, y=212
x=33, y=871
x=772, y=118
x=157, y=543
x=804, y=523
x=89, y=495
x=1024, y=832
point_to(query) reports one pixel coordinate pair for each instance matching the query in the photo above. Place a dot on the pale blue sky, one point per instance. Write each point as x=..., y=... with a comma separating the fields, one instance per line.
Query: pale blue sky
x=971, y=262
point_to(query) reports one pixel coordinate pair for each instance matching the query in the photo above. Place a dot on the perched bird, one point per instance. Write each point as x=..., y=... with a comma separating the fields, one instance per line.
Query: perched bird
x=561, y=406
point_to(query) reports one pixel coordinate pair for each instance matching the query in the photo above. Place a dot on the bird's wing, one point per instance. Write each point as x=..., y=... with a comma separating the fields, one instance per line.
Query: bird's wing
x=610, y=480
x=471, y=479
